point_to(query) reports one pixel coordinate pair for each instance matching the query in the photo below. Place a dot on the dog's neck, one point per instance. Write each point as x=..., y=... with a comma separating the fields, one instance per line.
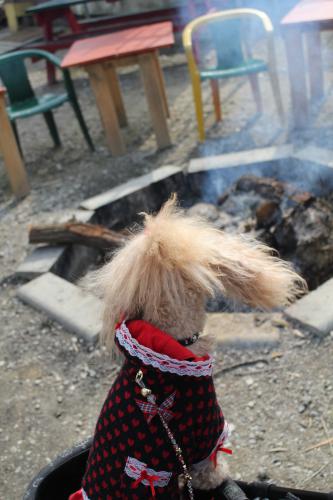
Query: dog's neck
x=183, y=321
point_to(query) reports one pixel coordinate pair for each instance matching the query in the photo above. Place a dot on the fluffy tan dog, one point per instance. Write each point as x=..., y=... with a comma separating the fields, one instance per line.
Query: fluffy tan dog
x=159, y=283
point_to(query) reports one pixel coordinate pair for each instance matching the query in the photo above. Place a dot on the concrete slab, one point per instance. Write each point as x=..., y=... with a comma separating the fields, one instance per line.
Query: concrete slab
x=66, y=215
x=40, y=261
x=316, y=155
x=78, y=215
x=129, y=187
x=315, y=310
x=253, y=156
x=75, y=309
x=243, y=330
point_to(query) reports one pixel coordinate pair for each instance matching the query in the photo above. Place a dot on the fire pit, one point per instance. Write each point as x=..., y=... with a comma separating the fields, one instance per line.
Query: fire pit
x=296, y=223
x=278, y=194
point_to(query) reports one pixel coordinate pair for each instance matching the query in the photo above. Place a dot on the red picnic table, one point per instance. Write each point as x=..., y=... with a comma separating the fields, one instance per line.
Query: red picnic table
x=12, y=158
x=101, y=55
x=308, y=17
x=48, y=12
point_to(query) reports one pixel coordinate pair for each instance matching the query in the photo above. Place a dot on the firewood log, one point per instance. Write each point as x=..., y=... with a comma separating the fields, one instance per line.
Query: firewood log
x=84, y=234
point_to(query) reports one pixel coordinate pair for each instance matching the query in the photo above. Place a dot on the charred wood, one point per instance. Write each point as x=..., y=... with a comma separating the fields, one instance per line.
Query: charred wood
x=85, y=234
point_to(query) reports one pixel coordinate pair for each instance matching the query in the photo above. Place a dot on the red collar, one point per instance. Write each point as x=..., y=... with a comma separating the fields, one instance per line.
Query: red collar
x=153, y=347
x=149, y=336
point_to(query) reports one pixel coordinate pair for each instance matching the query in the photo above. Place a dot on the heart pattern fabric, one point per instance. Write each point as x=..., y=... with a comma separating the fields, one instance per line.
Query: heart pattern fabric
x=124, y=434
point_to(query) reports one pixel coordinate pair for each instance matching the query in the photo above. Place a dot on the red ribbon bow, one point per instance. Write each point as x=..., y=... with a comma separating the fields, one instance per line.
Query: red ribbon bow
x=148, y=477
x=220, y=447
x=150, y=409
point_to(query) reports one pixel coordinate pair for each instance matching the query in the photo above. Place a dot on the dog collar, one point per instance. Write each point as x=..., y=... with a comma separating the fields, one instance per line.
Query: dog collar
x=173, y=358
x=190, y=340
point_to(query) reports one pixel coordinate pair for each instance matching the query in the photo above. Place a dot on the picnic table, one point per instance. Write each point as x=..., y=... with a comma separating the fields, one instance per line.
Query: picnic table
x=100, y=56
x=47, y=12
x=307, y=18
x=12, y=158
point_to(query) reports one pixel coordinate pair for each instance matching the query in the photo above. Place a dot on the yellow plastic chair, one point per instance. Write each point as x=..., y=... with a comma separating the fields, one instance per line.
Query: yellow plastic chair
x=231, y=61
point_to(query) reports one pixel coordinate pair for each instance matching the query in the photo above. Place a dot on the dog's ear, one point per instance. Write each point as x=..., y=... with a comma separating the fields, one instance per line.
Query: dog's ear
x=118, y=283
x=252, y=273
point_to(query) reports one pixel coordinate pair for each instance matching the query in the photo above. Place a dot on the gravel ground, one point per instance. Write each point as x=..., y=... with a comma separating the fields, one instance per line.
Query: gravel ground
x=52, y=385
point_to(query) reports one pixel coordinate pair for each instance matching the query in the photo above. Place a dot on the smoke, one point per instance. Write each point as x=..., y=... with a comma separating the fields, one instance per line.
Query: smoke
x=299, y=174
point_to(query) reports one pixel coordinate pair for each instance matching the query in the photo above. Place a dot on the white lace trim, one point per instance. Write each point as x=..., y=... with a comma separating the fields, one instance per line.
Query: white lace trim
x=84, y=495
x=221, y=440
x=162, y=361
x=134, y=467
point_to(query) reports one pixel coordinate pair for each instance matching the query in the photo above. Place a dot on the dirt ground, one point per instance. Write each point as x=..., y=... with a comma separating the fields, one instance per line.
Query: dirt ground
x=52, y=385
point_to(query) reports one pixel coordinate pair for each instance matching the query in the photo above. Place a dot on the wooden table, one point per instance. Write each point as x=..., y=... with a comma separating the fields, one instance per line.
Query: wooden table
x=101, y=55
x=12, y=158
x=308, y=17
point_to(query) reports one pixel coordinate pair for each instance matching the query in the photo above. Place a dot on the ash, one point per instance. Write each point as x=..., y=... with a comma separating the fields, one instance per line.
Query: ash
x=297, y=224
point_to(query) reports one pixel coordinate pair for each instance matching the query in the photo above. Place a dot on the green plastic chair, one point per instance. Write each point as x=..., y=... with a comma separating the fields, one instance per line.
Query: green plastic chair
x=22, y=99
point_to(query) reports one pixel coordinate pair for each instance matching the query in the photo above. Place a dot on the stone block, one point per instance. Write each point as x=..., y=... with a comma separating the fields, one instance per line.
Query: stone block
x=316, y=155
x=40, y=261
x=241, y=158
x=315, y=310
x=129, y=187
x=64, y=302
x=67, y=215
x=77, y=215
x=242, y=330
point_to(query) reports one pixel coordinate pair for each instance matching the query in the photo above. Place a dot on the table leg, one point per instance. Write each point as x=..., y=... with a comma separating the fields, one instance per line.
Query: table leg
x=297, y=76
x=315, y=63
x=162, y=84
x=100, y=86
x=115, y=90
x=154, y=96
x=13, y=162
x=72, y=21
x=45, y=21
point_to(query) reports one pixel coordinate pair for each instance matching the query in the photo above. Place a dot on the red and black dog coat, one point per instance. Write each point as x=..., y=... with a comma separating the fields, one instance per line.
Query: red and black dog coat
x=131, y=456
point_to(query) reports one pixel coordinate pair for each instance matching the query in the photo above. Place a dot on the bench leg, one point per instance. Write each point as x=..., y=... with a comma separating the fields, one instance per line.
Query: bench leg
x=13, y=161
x=45, y=20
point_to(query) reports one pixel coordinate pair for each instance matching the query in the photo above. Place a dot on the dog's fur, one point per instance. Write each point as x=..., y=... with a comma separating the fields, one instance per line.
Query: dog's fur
x=166, y=272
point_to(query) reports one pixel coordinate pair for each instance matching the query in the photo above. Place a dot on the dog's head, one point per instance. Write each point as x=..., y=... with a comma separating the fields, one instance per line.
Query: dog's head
x=166, y=271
